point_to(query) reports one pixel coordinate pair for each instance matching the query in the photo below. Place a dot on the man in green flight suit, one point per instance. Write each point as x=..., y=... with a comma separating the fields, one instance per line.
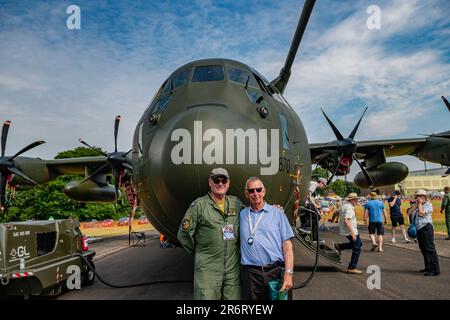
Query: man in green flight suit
x=445, y=207
x=210, y=230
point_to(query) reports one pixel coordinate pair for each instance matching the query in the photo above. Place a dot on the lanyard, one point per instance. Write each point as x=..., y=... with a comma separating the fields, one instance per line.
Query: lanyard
x=253, y=230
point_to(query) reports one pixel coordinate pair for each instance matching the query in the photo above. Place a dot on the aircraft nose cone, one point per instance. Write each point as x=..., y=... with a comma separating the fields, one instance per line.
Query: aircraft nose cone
x=185, y=149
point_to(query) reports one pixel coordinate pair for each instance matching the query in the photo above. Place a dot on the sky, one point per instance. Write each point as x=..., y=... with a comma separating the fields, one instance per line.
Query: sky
x=60, y=84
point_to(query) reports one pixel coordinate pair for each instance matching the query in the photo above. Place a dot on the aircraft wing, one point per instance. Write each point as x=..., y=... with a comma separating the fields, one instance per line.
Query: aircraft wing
x=373, y=152
x=75, y=165
x=42, y=171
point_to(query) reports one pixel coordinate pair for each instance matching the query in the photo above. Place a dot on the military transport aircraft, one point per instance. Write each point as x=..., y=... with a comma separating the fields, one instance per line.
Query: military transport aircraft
x=208, y=113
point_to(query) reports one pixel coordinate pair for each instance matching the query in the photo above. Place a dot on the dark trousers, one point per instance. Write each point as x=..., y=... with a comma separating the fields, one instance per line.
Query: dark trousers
x=356, y=250
x=254, y=282
x=425, y=237
x=447, y=221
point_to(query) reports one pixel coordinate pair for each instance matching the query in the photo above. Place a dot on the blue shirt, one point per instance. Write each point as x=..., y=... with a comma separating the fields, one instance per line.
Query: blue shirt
x=395, y=210
x=272, y=230
x=375, y=208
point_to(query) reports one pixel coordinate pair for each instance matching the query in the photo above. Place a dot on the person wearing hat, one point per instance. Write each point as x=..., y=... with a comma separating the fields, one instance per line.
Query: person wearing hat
x=395, y=210
x=348, y=228
x=321, y=183
x=210, y=231
x=423, y=210
x=375, y=211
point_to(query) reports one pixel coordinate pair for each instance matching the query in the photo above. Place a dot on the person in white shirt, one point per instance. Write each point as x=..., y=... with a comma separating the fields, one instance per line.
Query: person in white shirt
x=423, y=210
x=348, y=228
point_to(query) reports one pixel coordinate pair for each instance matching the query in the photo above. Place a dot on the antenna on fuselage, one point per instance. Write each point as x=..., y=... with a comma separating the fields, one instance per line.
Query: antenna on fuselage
x=281, y=81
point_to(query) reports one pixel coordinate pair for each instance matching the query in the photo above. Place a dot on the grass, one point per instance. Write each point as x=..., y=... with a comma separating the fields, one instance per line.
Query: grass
x=438, y=218
x=104, y=232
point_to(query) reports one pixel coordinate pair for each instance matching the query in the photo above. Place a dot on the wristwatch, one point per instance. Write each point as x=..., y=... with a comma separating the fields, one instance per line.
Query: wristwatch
x=289, y=271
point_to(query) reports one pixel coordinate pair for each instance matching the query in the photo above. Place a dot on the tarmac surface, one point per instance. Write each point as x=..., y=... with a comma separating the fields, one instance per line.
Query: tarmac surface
x=120, y=264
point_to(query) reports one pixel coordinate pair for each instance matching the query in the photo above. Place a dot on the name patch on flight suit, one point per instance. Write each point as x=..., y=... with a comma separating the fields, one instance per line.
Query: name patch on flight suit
x=231, y=212
x=228, y=232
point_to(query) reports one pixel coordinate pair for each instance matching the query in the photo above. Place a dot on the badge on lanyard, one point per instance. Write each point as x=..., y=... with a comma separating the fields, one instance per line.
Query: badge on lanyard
x=228, y=232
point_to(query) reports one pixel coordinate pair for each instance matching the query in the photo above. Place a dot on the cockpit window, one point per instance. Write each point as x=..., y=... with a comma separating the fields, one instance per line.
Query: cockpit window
x=284, y=131
x=208, y=73
x=161, y=103
x=180, y=78
x=241, y=76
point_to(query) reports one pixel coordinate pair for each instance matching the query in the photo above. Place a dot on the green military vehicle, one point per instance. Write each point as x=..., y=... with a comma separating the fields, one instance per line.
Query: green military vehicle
x=42, y=257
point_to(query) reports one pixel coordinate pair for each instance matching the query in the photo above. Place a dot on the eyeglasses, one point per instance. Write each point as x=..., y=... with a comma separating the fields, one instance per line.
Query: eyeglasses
x=219, y=180
x=258, y=190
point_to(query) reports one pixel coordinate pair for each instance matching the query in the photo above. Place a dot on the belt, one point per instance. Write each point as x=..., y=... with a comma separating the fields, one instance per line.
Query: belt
x=266, y=267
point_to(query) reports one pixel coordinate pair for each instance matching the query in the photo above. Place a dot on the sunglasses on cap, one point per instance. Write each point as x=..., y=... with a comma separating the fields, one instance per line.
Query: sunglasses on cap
x=252, y=190
x=218, y=180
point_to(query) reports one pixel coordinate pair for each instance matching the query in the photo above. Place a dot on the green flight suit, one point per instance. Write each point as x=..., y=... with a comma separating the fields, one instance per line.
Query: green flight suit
x=216, y=261
x=446, y=208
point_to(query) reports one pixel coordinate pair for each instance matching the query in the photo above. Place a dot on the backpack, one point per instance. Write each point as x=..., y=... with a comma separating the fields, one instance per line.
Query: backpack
x=412, y=230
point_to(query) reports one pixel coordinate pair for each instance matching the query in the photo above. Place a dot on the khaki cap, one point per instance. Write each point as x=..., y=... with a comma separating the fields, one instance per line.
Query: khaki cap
x=219, y=172
x=352, y=195
x=421, y=192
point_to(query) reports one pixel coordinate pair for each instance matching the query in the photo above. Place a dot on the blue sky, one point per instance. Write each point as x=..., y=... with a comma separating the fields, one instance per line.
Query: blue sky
x=59, y=85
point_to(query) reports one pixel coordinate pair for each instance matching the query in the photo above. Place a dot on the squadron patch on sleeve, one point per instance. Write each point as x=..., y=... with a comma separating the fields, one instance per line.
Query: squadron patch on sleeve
x=185, y=225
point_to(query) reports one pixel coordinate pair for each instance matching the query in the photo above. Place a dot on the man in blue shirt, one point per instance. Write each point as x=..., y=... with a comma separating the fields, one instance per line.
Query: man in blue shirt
x=374, y=209
x=266, y=247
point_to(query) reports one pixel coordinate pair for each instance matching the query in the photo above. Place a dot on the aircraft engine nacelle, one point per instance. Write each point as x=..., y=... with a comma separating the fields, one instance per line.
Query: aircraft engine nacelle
x=89, y=191
x=383, y=175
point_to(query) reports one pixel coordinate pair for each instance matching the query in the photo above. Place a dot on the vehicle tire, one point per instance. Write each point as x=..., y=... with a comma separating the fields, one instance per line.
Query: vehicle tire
x=88, y=276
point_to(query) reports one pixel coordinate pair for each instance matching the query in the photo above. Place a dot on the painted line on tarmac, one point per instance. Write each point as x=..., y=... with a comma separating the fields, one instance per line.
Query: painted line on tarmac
x=109, y=252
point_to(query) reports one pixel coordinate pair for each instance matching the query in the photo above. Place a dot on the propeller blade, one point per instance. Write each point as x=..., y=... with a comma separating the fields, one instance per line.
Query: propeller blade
x=116, y=131
x=93, y=174
x=21, y=174
x=3, y=190
x=30, y=146
x=5, y=129
x=352, y=135
x=446, y=102
x=333, y=127
x=127, y=152
x=116, y=183
x=336, y=169
x=127, y=165
x=364, y=171
x=89, y=146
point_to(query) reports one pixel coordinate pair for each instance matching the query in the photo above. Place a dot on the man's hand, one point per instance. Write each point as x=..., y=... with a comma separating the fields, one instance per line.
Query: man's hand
x=353, y=237
x=287, y=282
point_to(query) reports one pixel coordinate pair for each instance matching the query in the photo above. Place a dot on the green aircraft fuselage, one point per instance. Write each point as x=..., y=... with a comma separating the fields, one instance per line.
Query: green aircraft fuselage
x=216, y=113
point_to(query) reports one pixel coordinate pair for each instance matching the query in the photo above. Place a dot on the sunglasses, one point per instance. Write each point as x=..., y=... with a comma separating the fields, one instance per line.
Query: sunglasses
x=252, y=190
x=219, y=180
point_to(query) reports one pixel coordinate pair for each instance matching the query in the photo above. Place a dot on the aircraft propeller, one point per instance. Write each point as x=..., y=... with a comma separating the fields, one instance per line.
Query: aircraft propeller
x=446, y=102
x=7, y=165
x=345, y=147
x=116, y=160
